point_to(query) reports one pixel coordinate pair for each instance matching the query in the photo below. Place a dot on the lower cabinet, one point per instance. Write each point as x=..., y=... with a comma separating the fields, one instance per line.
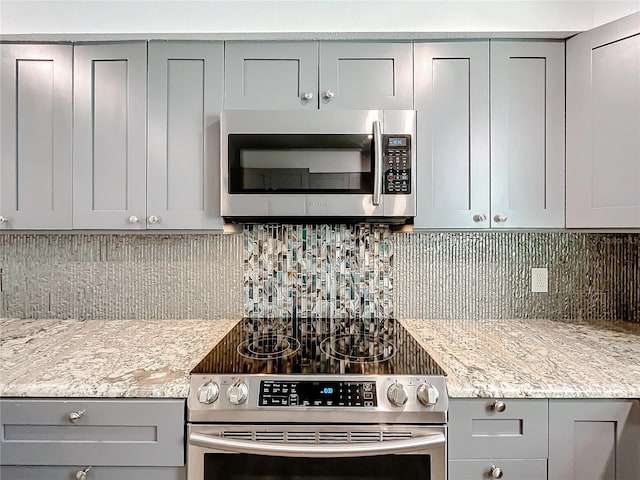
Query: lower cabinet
x=92, y=439
x=594, y=439
x=537, y=439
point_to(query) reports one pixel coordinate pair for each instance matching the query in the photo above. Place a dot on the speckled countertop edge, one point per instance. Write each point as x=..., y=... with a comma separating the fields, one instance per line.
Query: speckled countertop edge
x=534, y=358
x=482, y=358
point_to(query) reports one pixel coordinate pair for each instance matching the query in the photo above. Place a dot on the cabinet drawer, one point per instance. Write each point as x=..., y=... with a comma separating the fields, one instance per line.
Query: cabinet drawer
x=477, y=429
x=106, y=432
x=97, y=473
x=511, y=469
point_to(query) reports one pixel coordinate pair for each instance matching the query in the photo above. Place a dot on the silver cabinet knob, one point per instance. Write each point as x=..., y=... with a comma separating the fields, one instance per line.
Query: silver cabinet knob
x=500, y=218
x=499, y=406
x=74, y=417
x=208, y=392
x=82, y=474
x=307, y=95
x=153, y=219
x=238, y=393
x=397, y=394
x=495, y=472
x=133, y=219
x=479, y=218
x=427, y=394
x=329, y=94
x=3, y=220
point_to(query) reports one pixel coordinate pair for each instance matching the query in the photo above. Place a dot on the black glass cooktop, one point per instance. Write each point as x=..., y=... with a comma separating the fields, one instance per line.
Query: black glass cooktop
x=318, y=346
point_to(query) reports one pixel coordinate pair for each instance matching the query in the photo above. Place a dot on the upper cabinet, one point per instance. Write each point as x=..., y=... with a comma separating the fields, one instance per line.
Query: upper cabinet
x=109, y=159
x=119, y=183
x=183, y=167
x=490, y=140
x=603, y=126
x=36, y=136
x=311, y=75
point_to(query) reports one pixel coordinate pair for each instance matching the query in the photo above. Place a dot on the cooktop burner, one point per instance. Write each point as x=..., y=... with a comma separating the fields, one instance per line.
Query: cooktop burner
x=318, y=346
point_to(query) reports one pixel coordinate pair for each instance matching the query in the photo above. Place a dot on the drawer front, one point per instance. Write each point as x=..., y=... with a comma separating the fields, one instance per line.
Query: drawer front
x=511, y=469
x=477, y=429
x=124, y=432
x=95, y=473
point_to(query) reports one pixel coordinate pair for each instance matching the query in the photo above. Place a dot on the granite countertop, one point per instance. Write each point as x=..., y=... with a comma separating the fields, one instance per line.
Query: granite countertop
x=482, y=358
x=103, y=358
x=534, y=358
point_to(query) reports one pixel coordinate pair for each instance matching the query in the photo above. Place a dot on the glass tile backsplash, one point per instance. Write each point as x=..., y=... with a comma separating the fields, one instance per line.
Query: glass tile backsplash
x=319, y=270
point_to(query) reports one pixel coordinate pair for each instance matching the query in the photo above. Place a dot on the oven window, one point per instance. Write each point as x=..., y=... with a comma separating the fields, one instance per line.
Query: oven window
x=335, y=163
x=220, y=466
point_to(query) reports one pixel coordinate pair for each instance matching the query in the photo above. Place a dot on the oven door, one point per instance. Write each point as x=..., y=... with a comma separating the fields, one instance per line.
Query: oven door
x=313, y=452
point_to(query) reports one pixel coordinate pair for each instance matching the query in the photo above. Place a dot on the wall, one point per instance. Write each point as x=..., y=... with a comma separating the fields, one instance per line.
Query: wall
x=319, y=270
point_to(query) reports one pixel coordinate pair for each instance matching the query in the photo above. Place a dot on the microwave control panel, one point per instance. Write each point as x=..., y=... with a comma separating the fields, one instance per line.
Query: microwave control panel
x=397, y=164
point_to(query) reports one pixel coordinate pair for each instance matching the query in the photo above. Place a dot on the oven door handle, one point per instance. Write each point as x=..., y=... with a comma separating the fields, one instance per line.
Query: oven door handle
x=417, y=444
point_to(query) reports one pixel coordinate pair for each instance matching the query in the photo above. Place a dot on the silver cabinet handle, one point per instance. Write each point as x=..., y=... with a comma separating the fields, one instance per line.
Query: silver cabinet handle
x=318, y=451
x=74, y=417
x=377, y=171
x=479, y=218
x=495, y=472
x=329, y=94
x=500, y=218
x=153, y=219
x=82, y=474
x=307, y=95
x=133, y=219
x=3, y=220
x=499, y=406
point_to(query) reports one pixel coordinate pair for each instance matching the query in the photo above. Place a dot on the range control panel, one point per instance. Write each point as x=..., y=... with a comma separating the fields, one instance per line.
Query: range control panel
x=317, y=394
x=397, y=164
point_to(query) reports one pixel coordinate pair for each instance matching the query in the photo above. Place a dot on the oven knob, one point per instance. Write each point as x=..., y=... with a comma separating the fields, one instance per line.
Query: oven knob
x=238, y=393
x=397, y=394
x=427, y=394
x=208, y=392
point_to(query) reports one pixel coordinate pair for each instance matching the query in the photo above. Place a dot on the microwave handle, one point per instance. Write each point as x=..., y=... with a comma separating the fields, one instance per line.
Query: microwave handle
x=417, y=444
x=377, y=173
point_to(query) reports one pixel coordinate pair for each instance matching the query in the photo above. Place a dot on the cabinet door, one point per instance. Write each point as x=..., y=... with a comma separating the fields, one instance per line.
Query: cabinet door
x=594, y=439
x=35, y=162
x=185, y=101
x=109, y=158
x=271, y=75
x=603, y=126
x=366, y=76
x=452, y=101
x=527, y=134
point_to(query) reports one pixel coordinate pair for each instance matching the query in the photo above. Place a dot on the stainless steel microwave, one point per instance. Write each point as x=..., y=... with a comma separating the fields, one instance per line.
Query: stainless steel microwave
x=326, y=166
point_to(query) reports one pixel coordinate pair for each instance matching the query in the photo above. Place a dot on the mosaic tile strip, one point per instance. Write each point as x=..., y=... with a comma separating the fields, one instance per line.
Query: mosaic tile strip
x=316, y=271
x=487, y=275
x=143, y=276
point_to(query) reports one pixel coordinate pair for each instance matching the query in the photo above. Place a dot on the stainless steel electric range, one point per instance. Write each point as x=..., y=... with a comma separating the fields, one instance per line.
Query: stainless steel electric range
x=317, y=399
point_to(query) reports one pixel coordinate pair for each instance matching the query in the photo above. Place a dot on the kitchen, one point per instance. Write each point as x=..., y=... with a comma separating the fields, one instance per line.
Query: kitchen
x=461, y=286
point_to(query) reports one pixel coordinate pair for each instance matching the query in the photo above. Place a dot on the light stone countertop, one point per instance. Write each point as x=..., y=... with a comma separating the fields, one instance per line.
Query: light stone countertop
x=482, y=358
x=103, y=358
x=534, y=358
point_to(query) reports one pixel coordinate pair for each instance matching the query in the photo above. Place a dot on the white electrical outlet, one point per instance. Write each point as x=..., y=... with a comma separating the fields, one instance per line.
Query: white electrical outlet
x=539, y=280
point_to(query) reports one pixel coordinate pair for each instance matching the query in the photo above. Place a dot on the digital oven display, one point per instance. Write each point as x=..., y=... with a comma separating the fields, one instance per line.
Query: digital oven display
x=317, y=394
x=397, y=142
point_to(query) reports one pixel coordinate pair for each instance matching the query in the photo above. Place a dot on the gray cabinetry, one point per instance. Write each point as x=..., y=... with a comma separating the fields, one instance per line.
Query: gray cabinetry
x=594, y=439
x=311, y=75
x=38, y=435
x=109, y=158
x=183, y=167
x=36, y=136
x=452, y=101
x=527, y=134
x=603, y=126
x=486, y=435
x=500, y=170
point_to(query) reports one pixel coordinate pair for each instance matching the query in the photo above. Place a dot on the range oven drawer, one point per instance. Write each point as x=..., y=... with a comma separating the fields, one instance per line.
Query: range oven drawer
x=123, y=432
